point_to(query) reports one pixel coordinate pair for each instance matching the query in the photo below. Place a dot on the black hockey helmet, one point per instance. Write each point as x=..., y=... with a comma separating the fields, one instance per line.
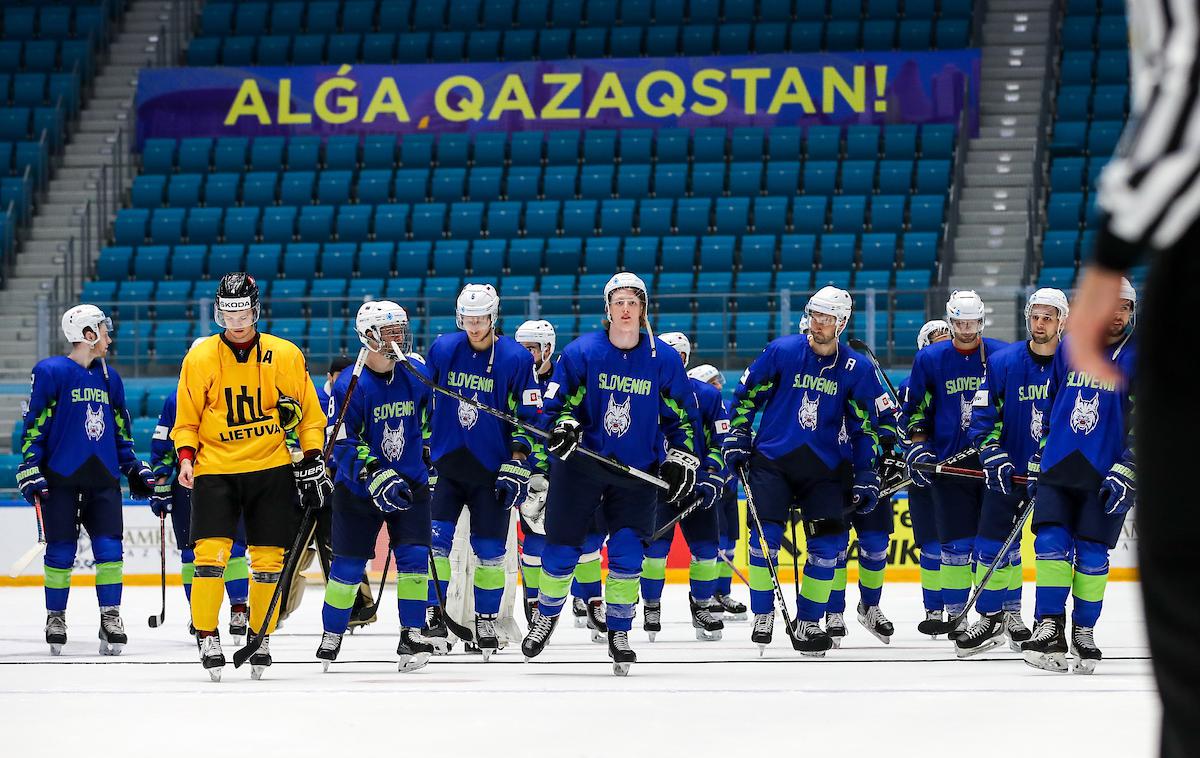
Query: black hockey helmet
x=236, y=291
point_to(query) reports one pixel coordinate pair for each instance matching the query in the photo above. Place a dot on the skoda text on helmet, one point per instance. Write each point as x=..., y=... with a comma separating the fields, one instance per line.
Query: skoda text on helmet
x=539, y=332
x=477, y=300
x=81, y=318
x=236, y=292
x=963, y=307
x=680, y=342
x=379, y=324
x=705, y=372
x=1053, y=298
x=931, y=329
x=831, y=301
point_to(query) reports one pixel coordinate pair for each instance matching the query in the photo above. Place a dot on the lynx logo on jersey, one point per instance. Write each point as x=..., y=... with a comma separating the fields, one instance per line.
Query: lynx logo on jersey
x=964, y=411
x=467, y=413
x=1085, y=416
x=617, y=417
x=392, y=444
x=843, y=435
x=1035, y=425
x=94, y=423
x=808, y=412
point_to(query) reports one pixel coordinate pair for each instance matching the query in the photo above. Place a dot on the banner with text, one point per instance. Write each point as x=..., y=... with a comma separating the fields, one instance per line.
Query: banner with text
x=728, y=91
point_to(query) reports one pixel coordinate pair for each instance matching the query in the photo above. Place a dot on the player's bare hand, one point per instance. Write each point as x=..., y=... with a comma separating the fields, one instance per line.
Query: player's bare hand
x=1095, y=300
x=186, y=478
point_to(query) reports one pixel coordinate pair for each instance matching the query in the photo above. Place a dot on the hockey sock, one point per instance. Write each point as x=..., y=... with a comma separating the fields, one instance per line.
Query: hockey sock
x=340, y=591
x=724, y=574
x=624, y=572
x=266, y=564
x=818, y=577
x=489, y=574
x=956, y=574
x=558, y=563
x=441, y=563
x=872, y=562
x=586, y=582
x=57, y=565
x=654, y=574
x=702, y=577
x=109, y=569
x=1091, y=578
x=991, y=597
x=762, y=588
x=931, y=576
x=237, y=575
x=442, y=540
x=187, y=571
x=1055, y=550
x=208, y=585
x=412, y=574
x=837, y=590
x=1016, y=580
x=531, y=563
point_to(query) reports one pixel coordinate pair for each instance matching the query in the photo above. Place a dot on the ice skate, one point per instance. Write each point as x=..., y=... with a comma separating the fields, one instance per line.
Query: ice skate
x=435, y=626
x=531, y=604
x=959, y=629
x=486, y=638
x=597, y=620
x=1015, y=630
x=931, y=625
x=327, y=652
x=1047, y=649
x=835, y=627
x=539, y=634
x=579, y=611
x=652, y=619
x=415, y=647
x=112, y=632
x=1083, y=647
x=983, y=635
x=764, y=627
x=261, y=660
x=622, y=655
x=873, y=620
x=708, y=627
x=811, y=639
x=239, y=622
x=734, y=610
x=211, y=657
x=56, y=631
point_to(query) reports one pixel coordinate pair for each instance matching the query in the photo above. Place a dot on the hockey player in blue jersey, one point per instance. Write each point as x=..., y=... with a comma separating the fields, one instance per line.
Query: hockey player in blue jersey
x=942, y=387
x=481, y=461
x=538, y=337
x=805, y=388
x=170, y=497
x=1086, y=483
x=381, y=480
x=75, y=445
x=729, y=527
x=618, y=392
x=700, y=529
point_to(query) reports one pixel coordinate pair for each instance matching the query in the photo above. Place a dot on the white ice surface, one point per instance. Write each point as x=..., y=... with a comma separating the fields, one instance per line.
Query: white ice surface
x=908, y=698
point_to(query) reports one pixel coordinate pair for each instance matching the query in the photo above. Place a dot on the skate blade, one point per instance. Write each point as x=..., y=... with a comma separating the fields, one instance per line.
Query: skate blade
x=256, y=672
x=325, y=664
x=814, y=653
x=486, y=652
x=884, y=638
x=968, y=652
x=706, y=636
x=762, y=649
x=837, y=642
x=111, y=648
x=736, y=616
x=621, y=669
x=652, y=635
x=598, y=636
x=1055, y=662
x=580, y=622
x=1015, y=645
x=411, y=663
x=55, y=648
x=214, y=674
x=1084, y=666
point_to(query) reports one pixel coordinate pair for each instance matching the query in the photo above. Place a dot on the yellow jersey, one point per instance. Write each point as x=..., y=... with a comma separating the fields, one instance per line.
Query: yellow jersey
x=226, y=405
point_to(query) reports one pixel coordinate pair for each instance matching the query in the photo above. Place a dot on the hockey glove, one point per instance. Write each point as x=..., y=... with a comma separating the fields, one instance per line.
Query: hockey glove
x=679, y=472
x=997, y=469
x=533, y=510
x=737, y=448
x=161, y=500
x=1035, y=469
x=312, y=481
x=141, y=480
x=289, y=412
x=564, y=438
x=32, y=483
x=1119, y=489
x=865, y=492
x=892, y=470
x=512, y=483
x=920, y=452
x=710, y=485
x=389, y=491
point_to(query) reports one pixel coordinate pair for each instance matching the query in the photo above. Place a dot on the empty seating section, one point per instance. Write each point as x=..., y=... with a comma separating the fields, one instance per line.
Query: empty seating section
x=1092, y=106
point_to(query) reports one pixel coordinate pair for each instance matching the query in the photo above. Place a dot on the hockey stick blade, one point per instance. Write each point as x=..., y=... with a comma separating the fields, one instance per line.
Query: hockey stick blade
x=460, y=631
x=28, y=557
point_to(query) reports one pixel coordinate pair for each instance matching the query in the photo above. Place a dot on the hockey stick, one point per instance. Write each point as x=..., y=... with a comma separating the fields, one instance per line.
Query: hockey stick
x=34, y=552
x=963, y=473
x=670, y=525
x=795, y=551
x=459, y=630
x=744, y=474
x=157, y=621
x=630, y=470
x=863, y=347
x=961, y=455
x=255, y=640
x=733, y=568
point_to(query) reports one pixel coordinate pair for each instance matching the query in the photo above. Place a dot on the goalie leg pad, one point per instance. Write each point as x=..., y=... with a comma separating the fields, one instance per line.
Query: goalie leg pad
x=266, y=563
x=762, y=589
x=57, y=565
x=819, y=568
x=625, y=556
x=106, y=551
x=208, y=586
x=1054, y=548
x=1091, y=578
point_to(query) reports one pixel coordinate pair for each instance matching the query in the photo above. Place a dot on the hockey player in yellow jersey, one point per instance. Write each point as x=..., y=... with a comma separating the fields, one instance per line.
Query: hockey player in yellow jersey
x=239, y=393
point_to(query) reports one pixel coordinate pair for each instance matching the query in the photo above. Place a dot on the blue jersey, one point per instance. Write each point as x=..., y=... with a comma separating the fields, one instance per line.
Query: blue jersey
x=715, y=421
x=509, y=386
x=163, y=457
x=384, y=424
x=76, y=415
x=626, y=401
x=941, y=390
x=1089, y=421
x=1009, y=407
x=806, y=401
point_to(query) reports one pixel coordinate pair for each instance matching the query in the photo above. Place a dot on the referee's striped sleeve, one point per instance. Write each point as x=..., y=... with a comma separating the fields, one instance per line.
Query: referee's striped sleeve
x=1150, y=191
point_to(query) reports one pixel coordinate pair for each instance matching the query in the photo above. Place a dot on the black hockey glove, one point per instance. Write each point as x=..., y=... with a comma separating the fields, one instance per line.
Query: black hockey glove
x=141, y=480
x=312, y=481
x=710, y=485
x=564, y=438
x=679, y=472
x=892, y=469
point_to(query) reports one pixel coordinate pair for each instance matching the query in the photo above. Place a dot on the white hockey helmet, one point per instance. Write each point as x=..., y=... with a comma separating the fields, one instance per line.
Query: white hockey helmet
x=1128, y=292
x=477, y=300
x=705, y=372
x=831, y=301
x=376, y=315
x=805, y=324
x=680, y=342
x=81, y=317
x=623, y=280
x=965, y=305
x=538, y=331
x=1052, y=297
x=931, y=328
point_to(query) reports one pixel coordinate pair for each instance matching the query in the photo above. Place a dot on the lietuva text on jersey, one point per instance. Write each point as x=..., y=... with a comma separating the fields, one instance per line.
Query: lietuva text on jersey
x=75, y=415
x=1089, y=421
x=624, y=399
x=385, y=423
x=1009, y=408
x=941, y=393
x=458, y=428
x=226, y=405
x=804, y=398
